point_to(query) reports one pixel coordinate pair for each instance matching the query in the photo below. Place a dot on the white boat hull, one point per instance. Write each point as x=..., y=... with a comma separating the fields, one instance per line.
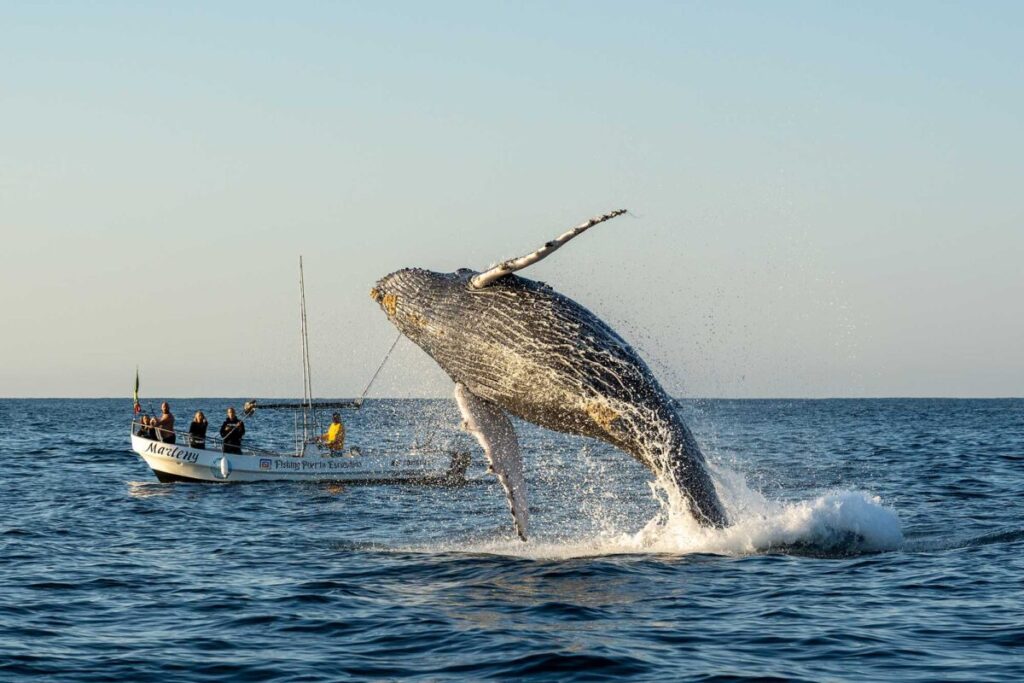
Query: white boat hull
x=171, y=462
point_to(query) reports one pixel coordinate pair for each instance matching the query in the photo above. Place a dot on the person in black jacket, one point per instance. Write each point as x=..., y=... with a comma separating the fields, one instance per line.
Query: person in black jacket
x=145, y=430
x=232, y=431
x=197, y=431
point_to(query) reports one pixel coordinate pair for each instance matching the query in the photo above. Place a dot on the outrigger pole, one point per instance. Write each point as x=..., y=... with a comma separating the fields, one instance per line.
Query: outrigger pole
x=250, y=406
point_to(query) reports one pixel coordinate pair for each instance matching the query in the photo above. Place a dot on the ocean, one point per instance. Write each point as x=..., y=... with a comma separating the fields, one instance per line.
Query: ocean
x=873, y=540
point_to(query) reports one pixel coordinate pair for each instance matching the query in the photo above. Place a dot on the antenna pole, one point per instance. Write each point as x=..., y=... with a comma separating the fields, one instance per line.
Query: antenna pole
x=307, y=382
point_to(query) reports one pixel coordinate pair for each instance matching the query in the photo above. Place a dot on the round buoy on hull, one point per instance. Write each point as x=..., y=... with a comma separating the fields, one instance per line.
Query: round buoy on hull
x=221, y=468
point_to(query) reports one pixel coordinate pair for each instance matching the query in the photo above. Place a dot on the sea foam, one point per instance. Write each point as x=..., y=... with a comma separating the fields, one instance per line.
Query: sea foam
x=837, y=523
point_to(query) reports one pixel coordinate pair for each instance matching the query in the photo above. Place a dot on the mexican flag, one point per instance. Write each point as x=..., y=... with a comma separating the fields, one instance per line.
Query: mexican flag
x=135, y=392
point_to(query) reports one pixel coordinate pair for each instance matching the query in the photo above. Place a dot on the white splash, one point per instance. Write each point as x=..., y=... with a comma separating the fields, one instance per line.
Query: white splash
x=842, y=522
x=837, y=522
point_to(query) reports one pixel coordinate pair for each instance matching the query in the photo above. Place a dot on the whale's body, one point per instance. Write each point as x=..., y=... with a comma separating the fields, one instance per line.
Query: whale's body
x=517, y=346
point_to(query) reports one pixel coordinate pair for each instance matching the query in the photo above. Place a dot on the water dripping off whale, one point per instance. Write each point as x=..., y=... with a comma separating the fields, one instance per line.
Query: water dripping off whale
x=516, y=346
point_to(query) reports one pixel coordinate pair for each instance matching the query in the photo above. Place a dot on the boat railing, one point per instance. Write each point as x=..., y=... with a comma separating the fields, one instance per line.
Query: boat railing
x=212, y=442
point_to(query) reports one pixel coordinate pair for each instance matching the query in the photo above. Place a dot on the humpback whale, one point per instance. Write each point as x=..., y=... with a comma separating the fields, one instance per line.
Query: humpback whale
x=516, y=346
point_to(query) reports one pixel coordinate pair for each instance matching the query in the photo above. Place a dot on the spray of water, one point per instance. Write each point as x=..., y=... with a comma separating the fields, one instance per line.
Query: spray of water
x=839, y=522
x=834, y=524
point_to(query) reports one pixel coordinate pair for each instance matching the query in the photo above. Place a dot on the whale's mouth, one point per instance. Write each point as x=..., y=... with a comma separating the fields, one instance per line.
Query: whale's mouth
x=389, y=302
x=383, y=293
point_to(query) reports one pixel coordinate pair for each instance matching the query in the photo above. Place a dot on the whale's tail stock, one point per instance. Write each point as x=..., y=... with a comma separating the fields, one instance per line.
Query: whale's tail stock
x=697, y=488
x=679, y=463
x=657, y=437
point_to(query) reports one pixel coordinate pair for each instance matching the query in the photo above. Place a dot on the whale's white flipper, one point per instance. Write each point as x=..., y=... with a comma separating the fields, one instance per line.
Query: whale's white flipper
x=494, y=431
x=481, y=280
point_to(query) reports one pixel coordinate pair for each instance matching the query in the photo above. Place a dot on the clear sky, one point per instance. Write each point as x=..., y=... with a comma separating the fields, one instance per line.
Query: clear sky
x=827, y=197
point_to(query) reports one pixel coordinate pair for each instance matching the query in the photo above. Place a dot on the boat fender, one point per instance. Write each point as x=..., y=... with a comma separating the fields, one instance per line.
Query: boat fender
x=225, y=467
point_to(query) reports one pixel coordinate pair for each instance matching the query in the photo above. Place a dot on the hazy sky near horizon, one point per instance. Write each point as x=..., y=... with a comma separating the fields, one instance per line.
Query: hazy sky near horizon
x=827, y=198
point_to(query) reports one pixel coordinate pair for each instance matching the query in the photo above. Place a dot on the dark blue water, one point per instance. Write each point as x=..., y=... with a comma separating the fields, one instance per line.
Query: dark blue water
x=876, y=539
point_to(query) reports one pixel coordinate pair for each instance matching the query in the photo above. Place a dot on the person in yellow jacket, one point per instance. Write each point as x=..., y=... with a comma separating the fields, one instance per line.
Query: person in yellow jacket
x=335, y=436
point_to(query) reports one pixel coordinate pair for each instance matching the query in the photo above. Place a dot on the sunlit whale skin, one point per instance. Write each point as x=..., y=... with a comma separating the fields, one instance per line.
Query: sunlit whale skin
x=516, y=345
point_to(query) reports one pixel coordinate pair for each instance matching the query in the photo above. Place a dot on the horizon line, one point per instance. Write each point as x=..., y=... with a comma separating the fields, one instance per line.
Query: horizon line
x=430, y=398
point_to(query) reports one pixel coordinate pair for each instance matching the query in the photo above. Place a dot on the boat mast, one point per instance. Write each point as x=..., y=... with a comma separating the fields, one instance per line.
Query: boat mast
x=307, y=385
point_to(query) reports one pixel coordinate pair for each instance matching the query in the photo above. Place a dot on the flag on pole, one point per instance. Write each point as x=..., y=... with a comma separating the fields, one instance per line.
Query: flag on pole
x=135, y=394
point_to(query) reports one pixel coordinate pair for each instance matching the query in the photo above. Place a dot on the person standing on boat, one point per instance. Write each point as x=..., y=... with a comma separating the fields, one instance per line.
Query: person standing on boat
x=197, y=431
x=231, y=432
x=334, y=439
x=165, y=424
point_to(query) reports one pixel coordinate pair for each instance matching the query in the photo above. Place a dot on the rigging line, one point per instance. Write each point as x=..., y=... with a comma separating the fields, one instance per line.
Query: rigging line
x=309, y=414
x=359, y=401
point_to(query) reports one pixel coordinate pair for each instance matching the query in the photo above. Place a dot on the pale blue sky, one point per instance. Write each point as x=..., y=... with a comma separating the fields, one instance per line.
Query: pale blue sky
x=828, y=198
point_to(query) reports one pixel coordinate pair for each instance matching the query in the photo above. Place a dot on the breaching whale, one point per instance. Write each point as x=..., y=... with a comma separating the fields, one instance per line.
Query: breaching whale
x=514, y=345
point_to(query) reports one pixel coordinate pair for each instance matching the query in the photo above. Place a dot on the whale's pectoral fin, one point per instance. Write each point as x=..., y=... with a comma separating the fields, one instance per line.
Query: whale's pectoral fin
x=494, y=431
x=481, y=280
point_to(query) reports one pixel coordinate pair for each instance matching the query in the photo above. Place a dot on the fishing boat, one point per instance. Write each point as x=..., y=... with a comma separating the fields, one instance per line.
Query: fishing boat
x=311, y=459
x=181, y=462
